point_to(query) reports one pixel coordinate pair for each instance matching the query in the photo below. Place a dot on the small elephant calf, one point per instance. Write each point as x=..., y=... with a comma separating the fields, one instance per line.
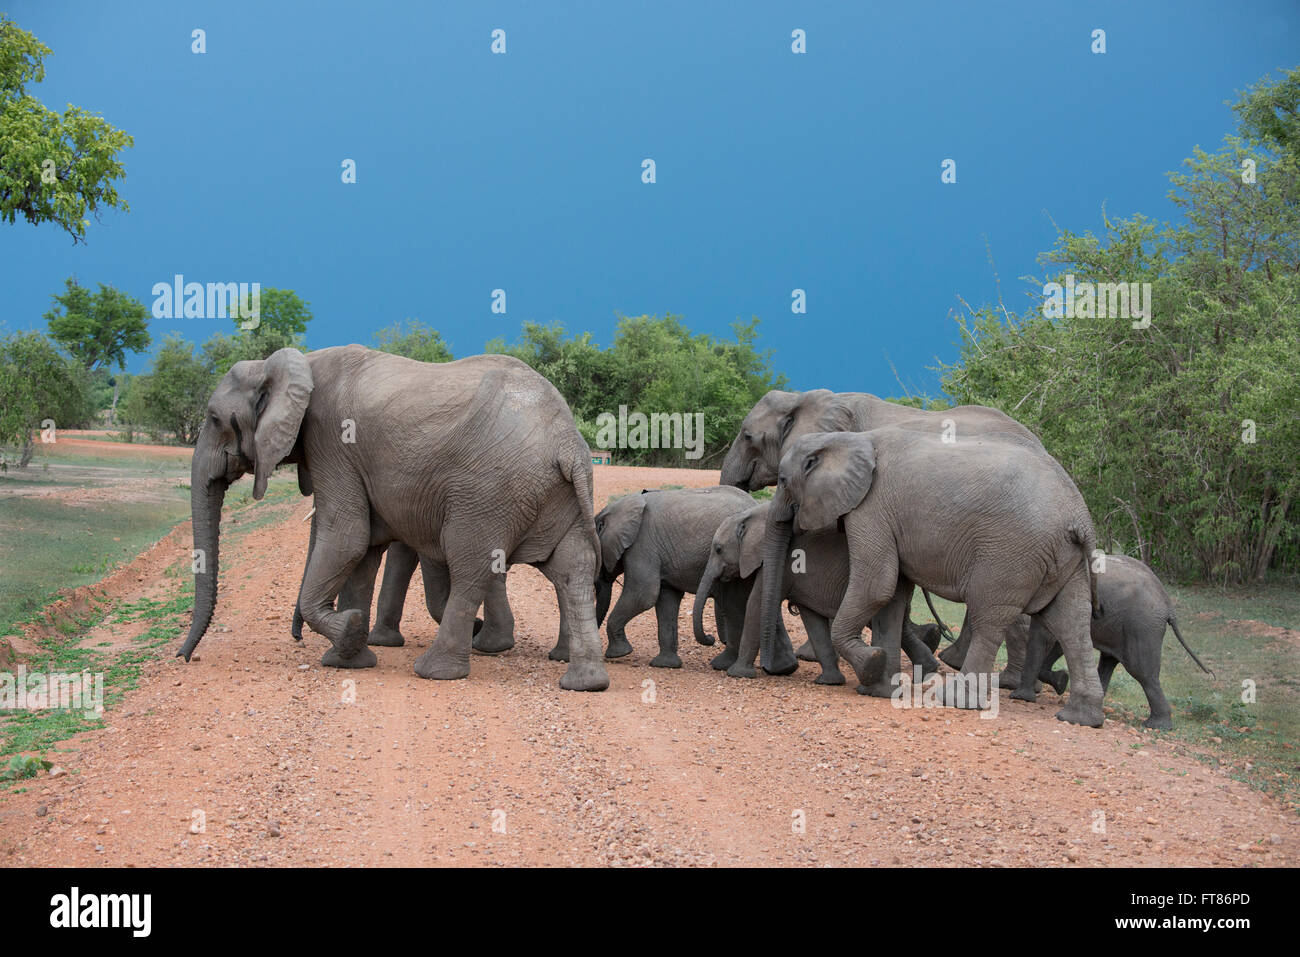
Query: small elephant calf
x=1130, y=631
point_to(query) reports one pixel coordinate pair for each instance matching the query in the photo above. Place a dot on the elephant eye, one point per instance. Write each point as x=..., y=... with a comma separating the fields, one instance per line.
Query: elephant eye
x=748, y=437
x=810, y=464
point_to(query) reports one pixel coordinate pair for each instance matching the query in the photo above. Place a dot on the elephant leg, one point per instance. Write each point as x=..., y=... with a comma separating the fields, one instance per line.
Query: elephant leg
x=806, y=651
x=359, y=590
x=1149, y=678
x=1106, y=668
x=638, y=595
x=667, y=606
x=296, y=628
x=745, y=651
x=561, y=650
x=977, y=684
x=954, y=656
x=437, y=589
x=448, y=657
x=819, y=636
x=1068, y=617
x=337, y=553
x=1033, y=654
x=918, y=650
x=732, y=603
x=496, y=633
x=399, y=567
x=864, y=599
x=1058, y=679
x=572, y=569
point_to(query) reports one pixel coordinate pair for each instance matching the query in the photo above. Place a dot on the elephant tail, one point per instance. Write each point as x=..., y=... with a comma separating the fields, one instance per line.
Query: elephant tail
x=1173, y=623
x=1083, y=535
x=943, y=629
x=576, y=469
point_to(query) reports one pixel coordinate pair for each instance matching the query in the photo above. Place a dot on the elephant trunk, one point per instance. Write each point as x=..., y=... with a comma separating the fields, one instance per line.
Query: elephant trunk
x=604, y=591
x=206, y=497
x=701, y=597
x=776, y=542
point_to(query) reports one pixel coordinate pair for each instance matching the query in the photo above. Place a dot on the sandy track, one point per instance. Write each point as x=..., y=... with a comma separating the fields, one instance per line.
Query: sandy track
x=258, y=737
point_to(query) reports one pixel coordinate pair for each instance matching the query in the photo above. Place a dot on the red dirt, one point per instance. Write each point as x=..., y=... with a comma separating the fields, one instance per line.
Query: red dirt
x=257, y=736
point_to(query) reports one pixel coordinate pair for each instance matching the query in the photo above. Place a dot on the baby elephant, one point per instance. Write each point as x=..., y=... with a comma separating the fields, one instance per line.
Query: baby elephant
x=1130, y=631
x=814, y=584
x=659, y=542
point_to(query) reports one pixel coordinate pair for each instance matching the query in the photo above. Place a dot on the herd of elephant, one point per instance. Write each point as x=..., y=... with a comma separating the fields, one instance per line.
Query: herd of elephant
x=465, y=468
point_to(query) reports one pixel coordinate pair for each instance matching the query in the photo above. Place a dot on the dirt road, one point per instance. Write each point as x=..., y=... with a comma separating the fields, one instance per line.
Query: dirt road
x=256, y=747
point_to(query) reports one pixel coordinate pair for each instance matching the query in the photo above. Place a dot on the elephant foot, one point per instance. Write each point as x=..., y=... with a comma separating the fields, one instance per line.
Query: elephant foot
x=585, y=676
x=737, y=670
x=1024, y=694
x=952, y=657
x=491, y=641
x=296, y=628
x=560, y=652
x=1162, y=722
x=1059, y=680
x=1082, y=710
x=666, y=659
x=868, y=664
x=618, y=647
x=929, y=636
x=706, y=641
x=783, y=662
x=805, y=652
x=365, y=658
x=1008, y=678
x=829, y=676
x=385, y=637
x=438, y=664
x=969, y=691
x=724, y=660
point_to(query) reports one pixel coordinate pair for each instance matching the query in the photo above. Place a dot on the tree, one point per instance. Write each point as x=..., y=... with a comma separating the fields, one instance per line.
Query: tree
x=1181, y=434
x=37, y=384
x=280, y=312
x=53, y=168
x=221, y=352
x=99, y=328
x=414, y=340
x=173, y=396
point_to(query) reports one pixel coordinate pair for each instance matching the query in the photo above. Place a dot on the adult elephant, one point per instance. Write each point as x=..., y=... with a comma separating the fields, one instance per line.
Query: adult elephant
x=989, y=522
x=476, y=464
x=779, y=418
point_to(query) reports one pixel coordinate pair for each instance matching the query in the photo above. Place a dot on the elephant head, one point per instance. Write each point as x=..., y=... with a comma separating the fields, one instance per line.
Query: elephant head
x=617, y=526
x=822, y=477
x=251, y=425
x=736, y=552
x=776, y=419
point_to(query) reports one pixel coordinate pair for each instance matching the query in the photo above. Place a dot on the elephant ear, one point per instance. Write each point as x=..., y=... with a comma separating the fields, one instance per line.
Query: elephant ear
x=283, y=402
x=621, y=527
x=750, y=532
x=838, y=482
x=835, y=415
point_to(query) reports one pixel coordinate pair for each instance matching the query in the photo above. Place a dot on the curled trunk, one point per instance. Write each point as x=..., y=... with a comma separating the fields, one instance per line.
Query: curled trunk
x=701, y=597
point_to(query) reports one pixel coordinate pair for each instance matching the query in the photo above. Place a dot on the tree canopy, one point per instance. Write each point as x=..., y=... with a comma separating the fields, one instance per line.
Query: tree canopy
x=54, y=168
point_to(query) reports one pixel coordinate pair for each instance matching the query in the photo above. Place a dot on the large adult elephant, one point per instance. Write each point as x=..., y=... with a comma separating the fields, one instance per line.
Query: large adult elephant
x=476, y=464
x=989, y=522
x=779, y=418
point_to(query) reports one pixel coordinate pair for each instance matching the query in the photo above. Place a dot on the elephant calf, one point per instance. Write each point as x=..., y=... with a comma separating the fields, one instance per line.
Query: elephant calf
x=815, y=586
x=1129, y=631
x=659, y=541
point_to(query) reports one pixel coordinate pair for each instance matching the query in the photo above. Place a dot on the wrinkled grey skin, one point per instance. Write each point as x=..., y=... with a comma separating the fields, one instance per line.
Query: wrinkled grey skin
x=1130, y=631
x=492, y=638
x=816, y=590
x=779, y=418
x=985, y=521
x=464, y=461
x=659, y=542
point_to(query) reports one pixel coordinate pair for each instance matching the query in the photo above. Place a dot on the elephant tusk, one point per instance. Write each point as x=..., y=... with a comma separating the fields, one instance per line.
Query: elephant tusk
x=309, y=514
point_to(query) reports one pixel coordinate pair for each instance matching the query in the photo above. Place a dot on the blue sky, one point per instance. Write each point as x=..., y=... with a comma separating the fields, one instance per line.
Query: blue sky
x=522, y=171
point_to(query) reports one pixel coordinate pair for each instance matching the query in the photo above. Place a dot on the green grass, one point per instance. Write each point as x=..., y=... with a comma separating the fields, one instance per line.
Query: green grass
x=1256, y=742
x=47, y=545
